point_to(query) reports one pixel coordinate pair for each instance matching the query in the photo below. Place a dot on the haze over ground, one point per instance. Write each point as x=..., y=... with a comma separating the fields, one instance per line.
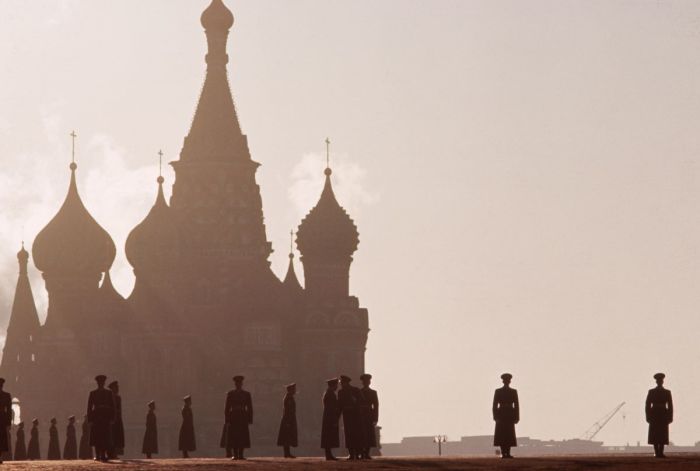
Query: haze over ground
x=524, y=176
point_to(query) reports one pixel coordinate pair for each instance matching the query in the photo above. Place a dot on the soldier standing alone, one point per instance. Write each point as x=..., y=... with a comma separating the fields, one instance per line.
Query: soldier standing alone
x=506, y=413
x=659, y=413
x=100, y=414
x=20, y=445
x=288, y=435
x=238, y=413
x=33, y=450
x=349, y=399
x=369, y=416
x=70, y=449
x=150, y=438
x=187, y=442
x=54, y=452
x=5, y=418
x=330, y=430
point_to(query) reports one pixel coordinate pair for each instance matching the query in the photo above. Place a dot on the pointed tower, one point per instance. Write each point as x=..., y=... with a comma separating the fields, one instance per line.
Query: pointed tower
x=19, y=353
x=291, y=282
x=327, y=239
x=215, y=195
x=72, y=252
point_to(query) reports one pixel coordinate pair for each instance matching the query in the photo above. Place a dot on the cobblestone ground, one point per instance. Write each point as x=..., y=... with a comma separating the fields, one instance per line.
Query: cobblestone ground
x=606, y=463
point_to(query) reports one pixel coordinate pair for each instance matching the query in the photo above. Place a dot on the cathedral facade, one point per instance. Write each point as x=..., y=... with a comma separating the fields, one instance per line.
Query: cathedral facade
x=205, y=306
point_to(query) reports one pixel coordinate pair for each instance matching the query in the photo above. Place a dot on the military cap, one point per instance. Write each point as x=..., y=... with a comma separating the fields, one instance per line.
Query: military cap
x=151, y=403
x=2, y=380
x=506, y=376
x=291, y=386
x=21, y=424
x=238, y=378
x=53, y=420
x=35, y=421
x=72, y=417
x=100, y=378
x=332, y=381
x=113, y=384
x=659, y=376
x=365, y=376
x=187, y=398
x=345, y=379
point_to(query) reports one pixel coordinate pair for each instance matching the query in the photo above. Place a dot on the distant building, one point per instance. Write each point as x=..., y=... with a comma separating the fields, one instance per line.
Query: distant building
x=206, y=304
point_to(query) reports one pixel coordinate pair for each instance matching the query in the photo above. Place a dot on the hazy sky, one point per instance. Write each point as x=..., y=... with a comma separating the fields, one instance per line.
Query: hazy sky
x=525, y=176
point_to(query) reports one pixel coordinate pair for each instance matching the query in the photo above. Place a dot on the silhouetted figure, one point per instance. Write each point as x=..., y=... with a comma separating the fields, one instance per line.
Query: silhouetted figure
x=20, y=444
x=33, y=452
x=117, y=431
x=150, y=438
x=659, y=413
x=239, y=415
x=54, y=445
x=506, y=413
x=5, y=419
x=100, y=413
x=330, y=428
x=349, y=401
x=70, y=448
x=369, y=416
x=223, y=443
x=85, y=451
x=288, y=436
x=187, y=442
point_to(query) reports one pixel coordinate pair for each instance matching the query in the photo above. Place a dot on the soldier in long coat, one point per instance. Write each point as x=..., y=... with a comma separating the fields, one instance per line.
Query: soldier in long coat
x=33, y=451
x=349, y=401
x=70, y=449
x=659, y=414
x=187, y=441
x=20, y=444
x=369, y=416
x=330, y=428
x=54, y=452
x=100, y=414
x=238, y=413
x=5, y=419
x=506, y=413
x=150, y=438
x=117, y=431
x=288, y=436
x=85, y=452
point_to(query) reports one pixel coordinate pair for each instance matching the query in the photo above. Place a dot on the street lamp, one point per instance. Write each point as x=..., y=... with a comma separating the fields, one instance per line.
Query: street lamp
x=440, y=439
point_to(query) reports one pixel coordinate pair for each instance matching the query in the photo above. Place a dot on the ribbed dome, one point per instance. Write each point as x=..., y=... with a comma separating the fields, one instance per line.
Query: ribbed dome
x=154, y=240
x=327, y=231
x=217, y=17
x=73, y=242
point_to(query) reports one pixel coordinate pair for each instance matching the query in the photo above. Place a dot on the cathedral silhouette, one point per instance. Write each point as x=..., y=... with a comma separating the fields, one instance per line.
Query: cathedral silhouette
x=205, y=306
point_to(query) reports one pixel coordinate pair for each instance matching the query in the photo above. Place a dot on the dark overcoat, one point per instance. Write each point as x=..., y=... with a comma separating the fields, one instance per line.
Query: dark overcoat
x=187, y=441
x=659, y=413
x=85, y=452
x=239, y=415
x=349, y=401
x=70, y=448
x=506, y=413
x=117, y=427
x=20, y=446
x=5, y=420
x=369, y=416
x=330, y=429
x=288, y=435
x=150, y=438
x=54, y=446
x=33, y=452
x=100, y=414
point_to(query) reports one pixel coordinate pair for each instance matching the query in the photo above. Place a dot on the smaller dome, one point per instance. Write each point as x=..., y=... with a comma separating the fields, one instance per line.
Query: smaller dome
x=217, y=17
x=73, y=242
x=328, y=231
x=151, y=243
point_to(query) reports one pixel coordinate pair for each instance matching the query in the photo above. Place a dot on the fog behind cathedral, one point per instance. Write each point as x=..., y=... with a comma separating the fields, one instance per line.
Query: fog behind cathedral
x=525, y=179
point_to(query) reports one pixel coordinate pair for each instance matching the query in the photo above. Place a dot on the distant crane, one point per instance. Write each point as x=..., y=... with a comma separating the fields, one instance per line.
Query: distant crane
x=598, y=426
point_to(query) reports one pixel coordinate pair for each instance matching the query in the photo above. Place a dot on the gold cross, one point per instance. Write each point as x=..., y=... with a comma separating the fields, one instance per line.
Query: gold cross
x=73, y=135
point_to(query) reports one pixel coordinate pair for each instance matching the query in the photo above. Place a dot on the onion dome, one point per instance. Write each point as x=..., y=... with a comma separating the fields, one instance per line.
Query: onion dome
x=217, y=17
x=152, y=243
x=327, y=231
x=73, y=242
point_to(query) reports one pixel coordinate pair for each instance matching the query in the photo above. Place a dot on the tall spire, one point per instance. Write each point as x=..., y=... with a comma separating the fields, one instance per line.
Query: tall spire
x=215, y=135
x=290, y=280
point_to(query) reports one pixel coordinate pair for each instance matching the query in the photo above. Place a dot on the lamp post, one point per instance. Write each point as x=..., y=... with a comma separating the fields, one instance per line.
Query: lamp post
x=440, y=439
